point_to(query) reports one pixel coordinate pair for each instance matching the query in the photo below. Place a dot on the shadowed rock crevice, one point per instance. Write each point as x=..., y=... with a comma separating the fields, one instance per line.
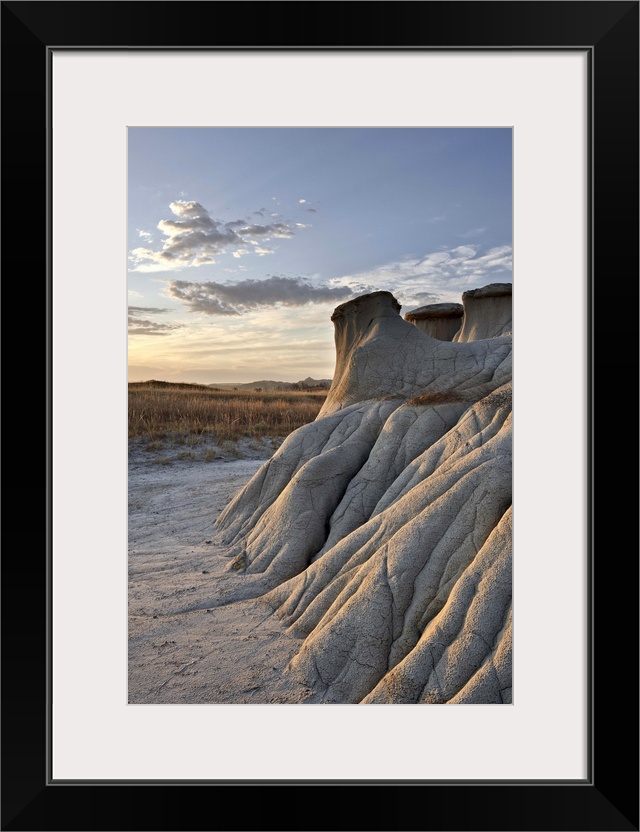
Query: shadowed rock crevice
x=381, y=533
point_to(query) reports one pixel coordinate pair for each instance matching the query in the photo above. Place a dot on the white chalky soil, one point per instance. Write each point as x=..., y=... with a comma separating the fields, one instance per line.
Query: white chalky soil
x=219, y=654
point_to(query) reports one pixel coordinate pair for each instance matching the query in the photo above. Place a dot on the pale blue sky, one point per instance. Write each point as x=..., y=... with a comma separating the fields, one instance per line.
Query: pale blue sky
x=242, y=241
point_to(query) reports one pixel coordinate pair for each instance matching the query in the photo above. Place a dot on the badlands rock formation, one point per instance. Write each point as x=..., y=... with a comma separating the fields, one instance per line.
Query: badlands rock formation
x=439, y=320
x=381, y=533
x=487, y=312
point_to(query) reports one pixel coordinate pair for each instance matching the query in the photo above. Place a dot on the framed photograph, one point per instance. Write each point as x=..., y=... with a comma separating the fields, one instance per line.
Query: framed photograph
x=562, y=80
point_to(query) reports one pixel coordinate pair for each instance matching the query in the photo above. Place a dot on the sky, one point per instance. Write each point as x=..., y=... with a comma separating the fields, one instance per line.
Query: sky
x=242, y=241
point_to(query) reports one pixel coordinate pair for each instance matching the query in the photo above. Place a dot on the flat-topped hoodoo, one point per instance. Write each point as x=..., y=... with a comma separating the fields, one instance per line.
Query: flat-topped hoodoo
x=487, y=312
x=439, y=320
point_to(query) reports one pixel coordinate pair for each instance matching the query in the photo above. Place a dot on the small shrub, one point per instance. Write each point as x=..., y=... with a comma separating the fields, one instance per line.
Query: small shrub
x=154, y=446
x=233, y=449
x=239, y=563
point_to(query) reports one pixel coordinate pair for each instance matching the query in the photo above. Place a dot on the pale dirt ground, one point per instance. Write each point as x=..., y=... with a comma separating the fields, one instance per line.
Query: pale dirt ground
x=213, y=654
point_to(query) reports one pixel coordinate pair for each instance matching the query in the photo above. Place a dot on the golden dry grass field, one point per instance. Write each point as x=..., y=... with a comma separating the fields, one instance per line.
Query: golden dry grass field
x=158, y=410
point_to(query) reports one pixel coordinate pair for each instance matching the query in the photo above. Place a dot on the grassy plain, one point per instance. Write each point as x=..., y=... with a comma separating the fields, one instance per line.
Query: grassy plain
x=161, y=410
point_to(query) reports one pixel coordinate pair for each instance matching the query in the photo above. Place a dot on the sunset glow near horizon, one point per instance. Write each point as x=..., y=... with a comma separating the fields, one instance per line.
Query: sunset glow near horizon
x=242, y=241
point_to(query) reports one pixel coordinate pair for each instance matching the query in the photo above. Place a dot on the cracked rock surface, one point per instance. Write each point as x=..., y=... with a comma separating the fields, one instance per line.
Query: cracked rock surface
x=379, y=535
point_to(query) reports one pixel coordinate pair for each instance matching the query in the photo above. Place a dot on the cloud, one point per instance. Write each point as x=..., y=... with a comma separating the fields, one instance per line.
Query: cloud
x=302, y=201
x=146, y=310
x=195, y=239
x=213, y=298
x=443, y=274
x=425, y=297
x=276, y=229
x=146, y=235
x=142, y=326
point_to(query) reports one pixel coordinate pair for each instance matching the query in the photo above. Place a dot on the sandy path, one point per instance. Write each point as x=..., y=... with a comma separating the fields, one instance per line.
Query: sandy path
x=177, y=654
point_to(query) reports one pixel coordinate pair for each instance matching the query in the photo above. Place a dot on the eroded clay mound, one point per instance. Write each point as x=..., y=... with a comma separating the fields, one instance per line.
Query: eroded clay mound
x=487, y=312
x=439, y=320
x=380, y=533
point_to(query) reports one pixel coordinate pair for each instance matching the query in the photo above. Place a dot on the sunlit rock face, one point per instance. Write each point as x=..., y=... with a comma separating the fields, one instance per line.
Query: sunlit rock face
x=487, y=312
x=381, y=532
x=439, y=320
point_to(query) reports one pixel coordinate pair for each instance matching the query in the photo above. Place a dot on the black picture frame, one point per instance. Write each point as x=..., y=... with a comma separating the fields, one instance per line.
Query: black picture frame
x=608, y=798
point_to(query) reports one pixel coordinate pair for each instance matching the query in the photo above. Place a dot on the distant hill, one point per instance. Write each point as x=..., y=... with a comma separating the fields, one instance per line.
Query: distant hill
x=166, y=385
x=267, y=384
